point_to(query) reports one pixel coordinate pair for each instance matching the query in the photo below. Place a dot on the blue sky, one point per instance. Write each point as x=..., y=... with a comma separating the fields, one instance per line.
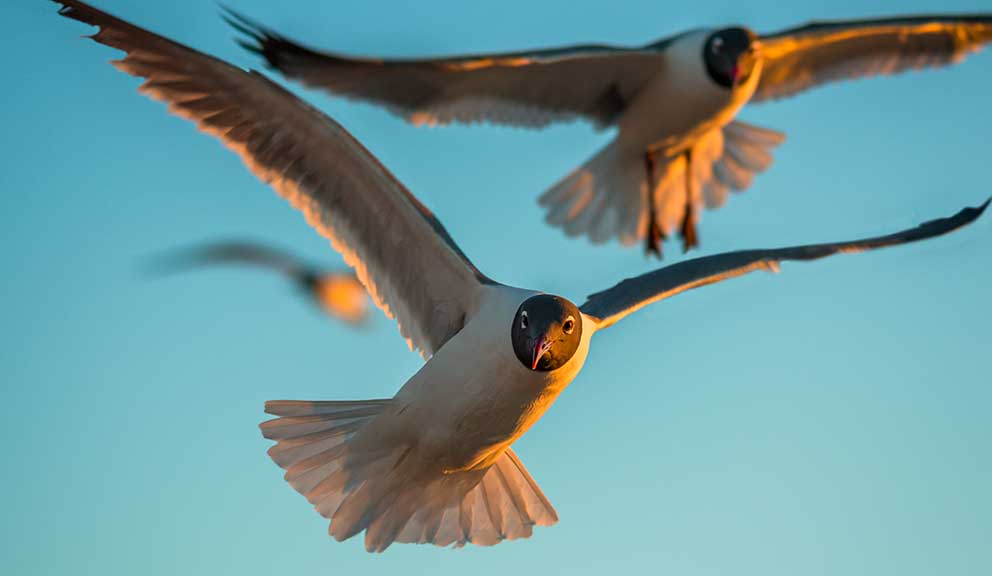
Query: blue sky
x=833, y=419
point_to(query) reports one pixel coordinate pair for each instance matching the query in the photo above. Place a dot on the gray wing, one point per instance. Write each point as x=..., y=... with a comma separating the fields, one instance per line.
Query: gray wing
x=633, y=294
x=822, y=52
x=232, y=252
x=338, y=293
x=399, y=250
x=532, y=89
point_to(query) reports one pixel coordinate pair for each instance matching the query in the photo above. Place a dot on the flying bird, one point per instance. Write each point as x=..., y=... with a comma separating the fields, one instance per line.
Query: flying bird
x=337, y=292
x=433, y=464
x=673, y=102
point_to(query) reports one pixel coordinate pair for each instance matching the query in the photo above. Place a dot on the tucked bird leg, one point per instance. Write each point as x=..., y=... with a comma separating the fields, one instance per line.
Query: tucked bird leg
x=654, y=235
x=689, y=238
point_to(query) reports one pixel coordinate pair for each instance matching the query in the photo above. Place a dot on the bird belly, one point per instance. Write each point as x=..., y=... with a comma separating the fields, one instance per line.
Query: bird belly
x=474, y=398
x=666, y=116
x=680, y=104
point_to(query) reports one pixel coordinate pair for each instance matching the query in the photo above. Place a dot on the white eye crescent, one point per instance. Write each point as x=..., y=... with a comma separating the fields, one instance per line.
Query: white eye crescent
x=523, y=320
x=569, y=325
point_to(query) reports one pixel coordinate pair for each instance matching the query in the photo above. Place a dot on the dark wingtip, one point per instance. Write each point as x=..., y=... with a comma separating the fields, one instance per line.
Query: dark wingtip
x=940, y=226
x=169, y=263
x=971, y=213
x=230, y=14
x=244, y=24
x=238, y=26
x=254, y=48
x=259, y=39
x=70, y=10
x=981, y=209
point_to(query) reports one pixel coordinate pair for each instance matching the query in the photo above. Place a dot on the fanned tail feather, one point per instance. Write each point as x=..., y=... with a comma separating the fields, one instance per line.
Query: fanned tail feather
x=602, y=199
x=388, y=492
x=605, y=198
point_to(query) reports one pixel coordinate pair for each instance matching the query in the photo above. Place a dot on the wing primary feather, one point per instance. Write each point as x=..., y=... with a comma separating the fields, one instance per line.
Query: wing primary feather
x=817, y=53
x=528, y=88
x=343, y=191
x=632, y=294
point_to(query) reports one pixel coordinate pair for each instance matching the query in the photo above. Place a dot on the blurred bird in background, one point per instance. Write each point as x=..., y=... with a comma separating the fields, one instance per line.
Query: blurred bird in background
x=336, y=292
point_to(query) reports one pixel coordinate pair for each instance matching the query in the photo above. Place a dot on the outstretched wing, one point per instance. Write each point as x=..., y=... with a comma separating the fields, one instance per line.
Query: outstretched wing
x=231, y=252
x=632, y=294
x=399, y=250
x=821, y=52
x=593, y=82
x=338, y=293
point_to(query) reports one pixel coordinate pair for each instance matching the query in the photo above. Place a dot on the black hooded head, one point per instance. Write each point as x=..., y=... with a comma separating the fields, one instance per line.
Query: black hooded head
x=730, y=56
x=546, y=332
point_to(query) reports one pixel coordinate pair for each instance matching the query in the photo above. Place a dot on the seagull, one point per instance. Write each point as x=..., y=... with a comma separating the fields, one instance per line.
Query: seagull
x=337, y=292
x=433, y=464
x=673, y=103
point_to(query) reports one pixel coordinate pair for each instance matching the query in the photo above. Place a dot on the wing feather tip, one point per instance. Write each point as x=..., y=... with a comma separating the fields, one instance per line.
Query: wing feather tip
x=981, y=208
x=967, y=215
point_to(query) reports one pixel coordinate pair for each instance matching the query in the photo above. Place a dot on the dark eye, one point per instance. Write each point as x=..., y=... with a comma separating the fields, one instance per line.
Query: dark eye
x=569, y=325
x=717, y=45
x=523, y=320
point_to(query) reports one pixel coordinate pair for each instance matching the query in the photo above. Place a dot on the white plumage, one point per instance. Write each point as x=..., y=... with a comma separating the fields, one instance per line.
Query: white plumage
x=671, y=101
x=433, y=464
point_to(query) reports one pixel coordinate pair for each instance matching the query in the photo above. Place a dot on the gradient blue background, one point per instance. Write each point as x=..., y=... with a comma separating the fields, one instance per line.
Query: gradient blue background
x=833, y=419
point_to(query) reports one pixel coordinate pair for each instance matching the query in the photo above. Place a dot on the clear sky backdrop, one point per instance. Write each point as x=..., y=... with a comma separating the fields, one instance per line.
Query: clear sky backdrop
x=833, y=419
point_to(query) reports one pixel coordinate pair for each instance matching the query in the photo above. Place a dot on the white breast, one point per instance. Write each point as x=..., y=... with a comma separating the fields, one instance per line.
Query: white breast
x=473, y=398
x=682, y=102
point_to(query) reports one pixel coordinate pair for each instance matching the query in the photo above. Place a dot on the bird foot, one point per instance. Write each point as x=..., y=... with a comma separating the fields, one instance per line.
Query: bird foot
x=690, y=239
x=653, y=240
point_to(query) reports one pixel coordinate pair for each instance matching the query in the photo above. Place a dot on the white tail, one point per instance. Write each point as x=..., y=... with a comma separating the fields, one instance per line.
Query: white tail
x=605, y=198
x=602, y=199
x=388, y=491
